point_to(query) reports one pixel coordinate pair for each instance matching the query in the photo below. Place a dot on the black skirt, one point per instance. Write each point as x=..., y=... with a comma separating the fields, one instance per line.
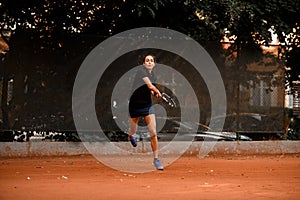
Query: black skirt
x=141, y=111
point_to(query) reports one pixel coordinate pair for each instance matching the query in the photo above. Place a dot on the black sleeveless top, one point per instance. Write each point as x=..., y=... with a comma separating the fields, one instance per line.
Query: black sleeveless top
x=141, y=96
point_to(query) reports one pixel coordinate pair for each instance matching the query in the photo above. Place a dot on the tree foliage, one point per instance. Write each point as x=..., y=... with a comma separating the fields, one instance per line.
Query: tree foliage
x=205, y=19
x=49, y=23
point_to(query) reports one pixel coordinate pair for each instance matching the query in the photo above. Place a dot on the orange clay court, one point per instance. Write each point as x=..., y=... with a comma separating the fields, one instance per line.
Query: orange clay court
x=215, y=177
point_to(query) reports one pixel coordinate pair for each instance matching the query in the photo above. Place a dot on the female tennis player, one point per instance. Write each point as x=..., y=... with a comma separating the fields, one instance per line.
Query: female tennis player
x=140, y=105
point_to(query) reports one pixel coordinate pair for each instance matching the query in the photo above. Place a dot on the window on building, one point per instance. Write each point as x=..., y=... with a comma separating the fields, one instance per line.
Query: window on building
x=262, y=95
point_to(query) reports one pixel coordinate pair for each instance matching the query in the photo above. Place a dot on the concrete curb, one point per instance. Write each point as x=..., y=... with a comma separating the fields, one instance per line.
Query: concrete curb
x=17, y=149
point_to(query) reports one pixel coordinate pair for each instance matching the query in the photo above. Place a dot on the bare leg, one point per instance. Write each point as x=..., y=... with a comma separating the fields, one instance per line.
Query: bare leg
x=133, y=124
x=151, y=123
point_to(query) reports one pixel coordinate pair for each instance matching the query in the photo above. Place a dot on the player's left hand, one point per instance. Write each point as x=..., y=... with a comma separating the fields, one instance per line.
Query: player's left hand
x=156, y=94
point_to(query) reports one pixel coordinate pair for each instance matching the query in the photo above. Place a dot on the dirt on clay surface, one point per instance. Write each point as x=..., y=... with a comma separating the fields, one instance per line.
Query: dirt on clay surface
x=214, y=177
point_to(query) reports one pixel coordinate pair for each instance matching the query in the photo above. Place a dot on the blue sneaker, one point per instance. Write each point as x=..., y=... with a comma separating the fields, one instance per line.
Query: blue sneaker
x=157, y=164
x=133, y=141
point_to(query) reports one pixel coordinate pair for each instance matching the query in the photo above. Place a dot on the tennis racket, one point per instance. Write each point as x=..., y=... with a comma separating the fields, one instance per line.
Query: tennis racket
x=169, y=100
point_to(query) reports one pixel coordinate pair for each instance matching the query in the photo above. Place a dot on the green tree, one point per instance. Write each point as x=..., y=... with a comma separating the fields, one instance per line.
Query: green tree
x=49, y=23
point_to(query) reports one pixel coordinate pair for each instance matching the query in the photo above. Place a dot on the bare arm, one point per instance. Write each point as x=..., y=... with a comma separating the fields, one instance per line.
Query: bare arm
x=152, y=88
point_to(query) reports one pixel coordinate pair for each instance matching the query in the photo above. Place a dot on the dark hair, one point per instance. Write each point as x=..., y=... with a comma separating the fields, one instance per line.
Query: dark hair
x=144, y=58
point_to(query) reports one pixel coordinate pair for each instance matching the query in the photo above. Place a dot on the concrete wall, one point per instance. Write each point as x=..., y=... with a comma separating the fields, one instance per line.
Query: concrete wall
x=243, y=148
